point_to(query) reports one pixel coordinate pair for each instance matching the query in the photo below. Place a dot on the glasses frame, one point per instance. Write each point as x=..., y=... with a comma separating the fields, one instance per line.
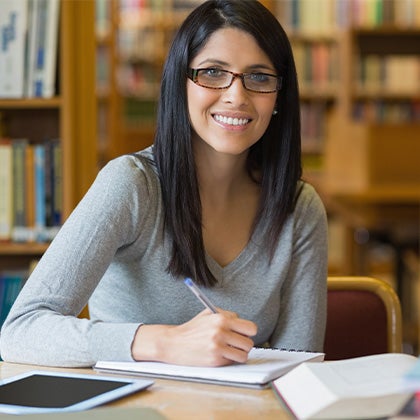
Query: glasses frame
x=193, y=75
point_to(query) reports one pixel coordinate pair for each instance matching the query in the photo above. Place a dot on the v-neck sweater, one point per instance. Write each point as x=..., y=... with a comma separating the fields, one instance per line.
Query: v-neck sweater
x=113, y=253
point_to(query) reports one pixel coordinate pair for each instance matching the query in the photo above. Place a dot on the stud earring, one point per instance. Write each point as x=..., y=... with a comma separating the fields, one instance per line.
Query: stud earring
x=275, y=112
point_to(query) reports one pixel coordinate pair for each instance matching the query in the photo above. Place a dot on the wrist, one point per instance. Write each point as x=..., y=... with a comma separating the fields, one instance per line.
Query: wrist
x=149, y=343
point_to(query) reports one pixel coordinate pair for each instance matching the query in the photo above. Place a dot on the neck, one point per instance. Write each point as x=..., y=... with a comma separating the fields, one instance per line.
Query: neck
x=221, y=174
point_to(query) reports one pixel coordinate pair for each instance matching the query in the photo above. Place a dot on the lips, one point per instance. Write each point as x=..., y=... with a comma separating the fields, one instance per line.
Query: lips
x=235, y=121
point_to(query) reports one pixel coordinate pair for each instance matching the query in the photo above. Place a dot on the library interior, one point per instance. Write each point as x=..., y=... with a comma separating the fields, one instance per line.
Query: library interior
x=94, y=97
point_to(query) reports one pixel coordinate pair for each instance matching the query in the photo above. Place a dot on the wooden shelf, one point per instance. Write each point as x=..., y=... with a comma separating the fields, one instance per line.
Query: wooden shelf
x=377, y=93
x=30, y=248
x=30, y=103
x=70, y=116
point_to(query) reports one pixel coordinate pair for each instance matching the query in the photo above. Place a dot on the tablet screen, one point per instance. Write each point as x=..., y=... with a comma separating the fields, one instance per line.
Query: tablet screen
x=50, y=391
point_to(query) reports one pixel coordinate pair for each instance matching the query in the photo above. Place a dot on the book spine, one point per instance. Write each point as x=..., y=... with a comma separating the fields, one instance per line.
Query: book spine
x=57, y=197
x=3, y=281
x=40, y=31
x=48, y=183
x=10, y=285
x=31, y=48
x=13, y=27
x=30, y=193
x=40, y=210
x=6, y=190
x=19, y=205
x=44, y=34
x=53, y=190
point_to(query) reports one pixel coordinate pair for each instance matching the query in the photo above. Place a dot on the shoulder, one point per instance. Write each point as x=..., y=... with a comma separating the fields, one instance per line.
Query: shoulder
x=309, y=213
x=135, y=164
x=130, y=171
x=308, y=200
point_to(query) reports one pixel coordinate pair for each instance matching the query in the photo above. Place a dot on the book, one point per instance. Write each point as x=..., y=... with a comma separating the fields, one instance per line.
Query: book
x=10, y=285
x=263, y=366
x=43, y=41
x=30, y=193
x=6, y=189
x=358, y=388
x=13, y=30
x=19, y=230
x=40, y=205
x=57, y=187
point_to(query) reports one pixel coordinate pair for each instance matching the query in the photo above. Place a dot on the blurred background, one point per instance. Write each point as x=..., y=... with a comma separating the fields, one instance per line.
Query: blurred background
x=79, y=84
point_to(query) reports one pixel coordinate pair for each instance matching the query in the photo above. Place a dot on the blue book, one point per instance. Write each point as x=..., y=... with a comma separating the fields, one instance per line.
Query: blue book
x=40, y=205
x=57, y=187
x=11, y=284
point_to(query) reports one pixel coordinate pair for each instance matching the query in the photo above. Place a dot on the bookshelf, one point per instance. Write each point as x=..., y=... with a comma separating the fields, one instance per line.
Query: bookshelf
x=333, y=41
x=371, y=173
x=108, y=100
x=130, y=58
x=138, y=36
x=69, y=115
x=379, y=103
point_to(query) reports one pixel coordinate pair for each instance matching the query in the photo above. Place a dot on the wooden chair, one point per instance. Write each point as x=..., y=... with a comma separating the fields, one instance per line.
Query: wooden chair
x=363, y=318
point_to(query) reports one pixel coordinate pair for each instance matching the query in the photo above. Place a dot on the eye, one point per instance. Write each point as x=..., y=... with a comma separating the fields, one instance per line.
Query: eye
x=259, y=77
x=212, y=72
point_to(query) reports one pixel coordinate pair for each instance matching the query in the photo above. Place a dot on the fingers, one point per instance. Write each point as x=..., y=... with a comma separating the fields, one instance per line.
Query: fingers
x=231, y=337
x=236, y=324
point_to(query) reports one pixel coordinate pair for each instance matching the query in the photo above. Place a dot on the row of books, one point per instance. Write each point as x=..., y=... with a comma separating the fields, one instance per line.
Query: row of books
x=313, y=121
x=137, y=79
x=387, y=112
x=140, y=43
x=11, y=283
x=317, y=64
x=28, y=52
x=31, y=190
x=390, y=73
x=163, y=6
x=303, y=15
x=327, y=16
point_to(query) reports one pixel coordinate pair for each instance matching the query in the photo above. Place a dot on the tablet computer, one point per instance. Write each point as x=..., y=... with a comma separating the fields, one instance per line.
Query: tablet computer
x=45, y=391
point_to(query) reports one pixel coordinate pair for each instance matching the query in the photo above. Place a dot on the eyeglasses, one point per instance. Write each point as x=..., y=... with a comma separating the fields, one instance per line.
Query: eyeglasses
x=214, y=78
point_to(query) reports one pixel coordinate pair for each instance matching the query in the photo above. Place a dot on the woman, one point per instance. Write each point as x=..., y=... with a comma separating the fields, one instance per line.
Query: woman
x=217, y=198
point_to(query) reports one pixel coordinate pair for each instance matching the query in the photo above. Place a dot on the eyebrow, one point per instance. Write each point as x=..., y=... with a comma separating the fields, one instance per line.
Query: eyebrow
x=211, y=61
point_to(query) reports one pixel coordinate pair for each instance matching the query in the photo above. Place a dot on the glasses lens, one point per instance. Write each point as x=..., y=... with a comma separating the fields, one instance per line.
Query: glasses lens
x=261, y=82
x=213, y=78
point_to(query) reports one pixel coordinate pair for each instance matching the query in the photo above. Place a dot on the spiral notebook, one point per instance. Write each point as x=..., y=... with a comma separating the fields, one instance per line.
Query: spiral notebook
x=262, y=367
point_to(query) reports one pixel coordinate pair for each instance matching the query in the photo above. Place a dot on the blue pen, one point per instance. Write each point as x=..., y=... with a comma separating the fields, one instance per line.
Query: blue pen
x=202, y=297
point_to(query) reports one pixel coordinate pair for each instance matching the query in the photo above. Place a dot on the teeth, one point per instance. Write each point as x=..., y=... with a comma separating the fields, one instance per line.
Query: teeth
x=230, y=120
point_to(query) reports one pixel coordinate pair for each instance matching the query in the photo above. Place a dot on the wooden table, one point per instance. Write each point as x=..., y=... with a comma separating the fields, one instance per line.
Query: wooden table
x=187, y=400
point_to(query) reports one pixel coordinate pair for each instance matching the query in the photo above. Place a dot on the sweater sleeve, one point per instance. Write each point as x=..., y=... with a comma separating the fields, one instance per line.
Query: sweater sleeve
x=42, y=326
x=302, y=318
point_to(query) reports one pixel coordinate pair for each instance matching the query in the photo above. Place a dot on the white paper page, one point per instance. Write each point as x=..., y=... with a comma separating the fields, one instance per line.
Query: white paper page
x=369, y=376
x=259, y=368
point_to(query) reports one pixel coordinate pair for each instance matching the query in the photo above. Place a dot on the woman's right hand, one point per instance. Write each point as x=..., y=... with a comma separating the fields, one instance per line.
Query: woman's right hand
x=208, y=339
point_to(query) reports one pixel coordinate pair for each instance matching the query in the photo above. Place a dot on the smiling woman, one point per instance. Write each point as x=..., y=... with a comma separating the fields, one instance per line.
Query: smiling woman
x=226, y=97
x=217, y=198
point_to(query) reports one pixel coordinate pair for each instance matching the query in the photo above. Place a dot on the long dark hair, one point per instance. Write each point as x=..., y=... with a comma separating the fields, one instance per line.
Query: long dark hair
x=276, y=156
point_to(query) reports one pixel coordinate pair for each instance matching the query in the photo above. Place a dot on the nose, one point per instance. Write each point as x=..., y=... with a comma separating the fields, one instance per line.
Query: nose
x=236, y=92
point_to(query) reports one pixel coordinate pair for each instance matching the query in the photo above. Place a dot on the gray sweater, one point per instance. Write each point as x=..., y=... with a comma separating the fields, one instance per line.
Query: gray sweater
x=113, y=252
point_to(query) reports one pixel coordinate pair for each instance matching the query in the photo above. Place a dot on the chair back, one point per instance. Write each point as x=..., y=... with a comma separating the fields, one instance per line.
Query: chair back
x=363, y=318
